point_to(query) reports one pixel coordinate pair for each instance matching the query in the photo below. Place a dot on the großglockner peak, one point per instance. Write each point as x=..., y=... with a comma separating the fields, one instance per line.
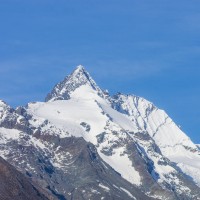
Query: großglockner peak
x=78, y=78
x=83, y=144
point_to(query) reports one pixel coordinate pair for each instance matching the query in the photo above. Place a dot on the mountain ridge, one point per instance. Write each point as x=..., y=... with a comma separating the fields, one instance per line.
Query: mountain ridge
x=126, y=141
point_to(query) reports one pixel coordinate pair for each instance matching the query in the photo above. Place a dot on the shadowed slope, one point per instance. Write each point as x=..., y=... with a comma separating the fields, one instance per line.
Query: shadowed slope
x=14, y=185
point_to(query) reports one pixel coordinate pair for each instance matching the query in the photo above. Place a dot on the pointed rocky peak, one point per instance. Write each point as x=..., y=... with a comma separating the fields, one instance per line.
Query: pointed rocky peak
x=2, y=103
x=76, y=79
x=79, y=68
x=4, y=106
x=79, y=71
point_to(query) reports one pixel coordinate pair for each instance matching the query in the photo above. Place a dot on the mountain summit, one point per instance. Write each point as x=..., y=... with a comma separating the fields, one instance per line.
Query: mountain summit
x=84, y=144
x=78, y=78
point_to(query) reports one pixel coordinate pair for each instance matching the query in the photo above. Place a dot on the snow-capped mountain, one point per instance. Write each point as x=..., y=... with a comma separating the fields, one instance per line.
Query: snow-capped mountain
x=173, y=143
x=82, y=143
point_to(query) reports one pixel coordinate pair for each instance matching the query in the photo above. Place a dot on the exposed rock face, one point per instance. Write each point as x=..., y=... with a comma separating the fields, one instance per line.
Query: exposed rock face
x=83, y=144
x=14, y=185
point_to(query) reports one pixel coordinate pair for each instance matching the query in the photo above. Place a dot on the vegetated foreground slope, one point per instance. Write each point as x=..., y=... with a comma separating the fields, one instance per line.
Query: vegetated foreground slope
x=84, y=144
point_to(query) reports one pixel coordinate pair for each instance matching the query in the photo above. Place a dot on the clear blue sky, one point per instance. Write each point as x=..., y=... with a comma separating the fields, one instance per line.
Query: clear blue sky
x=143, y=47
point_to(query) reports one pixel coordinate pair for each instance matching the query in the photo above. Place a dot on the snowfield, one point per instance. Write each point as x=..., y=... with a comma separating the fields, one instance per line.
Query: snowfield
x=85, y=106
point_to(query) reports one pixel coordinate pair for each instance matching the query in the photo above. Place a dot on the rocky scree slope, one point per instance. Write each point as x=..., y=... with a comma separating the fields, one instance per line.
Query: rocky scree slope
x=14, y=185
